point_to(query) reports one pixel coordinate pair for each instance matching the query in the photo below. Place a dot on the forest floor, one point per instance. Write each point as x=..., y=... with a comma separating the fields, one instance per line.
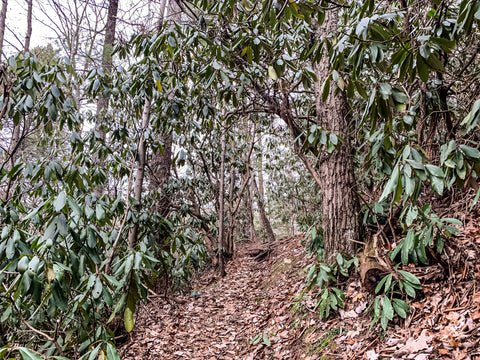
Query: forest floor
x=258, y=311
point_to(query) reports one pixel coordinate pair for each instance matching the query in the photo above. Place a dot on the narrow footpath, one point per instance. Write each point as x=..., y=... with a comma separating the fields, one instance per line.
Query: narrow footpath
x=246, y=315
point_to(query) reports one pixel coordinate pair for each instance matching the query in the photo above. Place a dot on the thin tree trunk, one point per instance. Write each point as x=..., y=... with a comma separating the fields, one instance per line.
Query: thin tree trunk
x=142, y=156
x=221, y=191
x=29, y=25
x=3, y=17
x=107, y=63
x=261, y=190
x=340, y=206
x=231, y=210
x=263, y=213
x=161, y=162
x=15, y=143
x=253, y=232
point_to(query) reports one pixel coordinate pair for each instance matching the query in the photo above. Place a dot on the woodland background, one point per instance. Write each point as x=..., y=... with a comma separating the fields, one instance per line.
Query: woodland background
x=147, y=141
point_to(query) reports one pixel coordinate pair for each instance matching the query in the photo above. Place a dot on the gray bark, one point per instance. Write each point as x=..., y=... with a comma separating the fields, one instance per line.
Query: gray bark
x=221, y=193
x=340, y=205
x=3, y=17
x=107, y=63
x=142, y=156
x=161, y=162
x=29, y=25
x=263, y=214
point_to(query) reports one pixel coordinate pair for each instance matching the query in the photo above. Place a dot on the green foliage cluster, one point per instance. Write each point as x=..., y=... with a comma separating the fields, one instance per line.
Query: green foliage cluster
x=65, y=269
x=330, y=297
x=413, y=133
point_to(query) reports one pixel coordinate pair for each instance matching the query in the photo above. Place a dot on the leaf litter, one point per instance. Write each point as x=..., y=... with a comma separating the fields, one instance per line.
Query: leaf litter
x=258, y=311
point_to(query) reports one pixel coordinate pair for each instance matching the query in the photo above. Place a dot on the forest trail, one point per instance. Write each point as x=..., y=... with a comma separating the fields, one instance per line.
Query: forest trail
x=256, y=312
x=251, y=303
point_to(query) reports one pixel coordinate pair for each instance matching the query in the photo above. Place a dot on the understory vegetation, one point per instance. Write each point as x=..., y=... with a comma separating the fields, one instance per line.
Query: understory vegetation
x=133, y=160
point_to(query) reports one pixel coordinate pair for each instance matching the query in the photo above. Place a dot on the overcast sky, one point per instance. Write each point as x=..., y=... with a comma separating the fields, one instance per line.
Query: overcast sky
x=133, y=15
x=16, y=27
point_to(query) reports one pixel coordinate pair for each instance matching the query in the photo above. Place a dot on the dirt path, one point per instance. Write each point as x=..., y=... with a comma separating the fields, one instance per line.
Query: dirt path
x=251, y=303
x=248, y=314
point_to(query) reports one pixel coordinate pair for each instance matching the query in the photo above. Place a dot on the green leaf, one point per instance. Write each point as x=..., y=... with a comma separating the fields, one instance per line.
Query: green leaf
x=333, y=139
x=128, y=319
x=437, y=184
x=100, y=212
x=97, y=290
x=266, y=340
x=58, y=297
x=453, y=221
x=409, y=290
x=112, y=353
x=434, y=170
x=28, y=354
x=446, y=150
x=423, y=69
x=325, y=90
x=361, y=90
x=409, y=277
x=387, y=308
x=29, y=102
x=94, y=353
x=381, y=283
x=391, y=184
x=407, y=246
x=434, y=62
x=445, y=44
x=96, y=85
x=171, y=41
x=399, y=96
x=272, y=73
x=477, y=196
x=399, y=309
x=60, y=201
x=3, y=351
x=55, y=91
x=470, y=151
x=385, y=90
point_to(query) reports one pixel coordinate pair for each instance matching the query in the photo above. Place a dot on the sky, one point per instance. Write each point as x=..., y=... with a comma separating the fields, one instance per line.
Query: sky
x=16, y=27
x=136, y=13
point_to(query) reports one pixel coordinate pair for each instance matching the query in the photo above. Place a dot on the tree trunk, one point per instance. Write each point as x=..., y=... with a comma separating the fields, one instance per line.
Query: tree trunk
x=3, y=17
x=248, y=202
x=29, y=25
x=161, y=162
x=137, y=189
x=107, y=63
x=263, y=214
x=17, y=136
x=221, y=193
x=251, y=194
x=340, y=205
x=229, y=243
x=261, y=190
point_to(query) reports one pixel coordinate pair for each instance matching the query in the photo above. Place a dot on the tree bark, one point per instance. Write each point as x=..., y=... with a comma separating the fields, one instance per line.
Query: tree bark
x=17, y=136
x=340, y=205
x=161, y=162
x=29, y=25
x=251, y=194
x=261, y=190
x=107, y=63
x=142, y=155
x=221, y=193
x=3, y=17
x=263, y=214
